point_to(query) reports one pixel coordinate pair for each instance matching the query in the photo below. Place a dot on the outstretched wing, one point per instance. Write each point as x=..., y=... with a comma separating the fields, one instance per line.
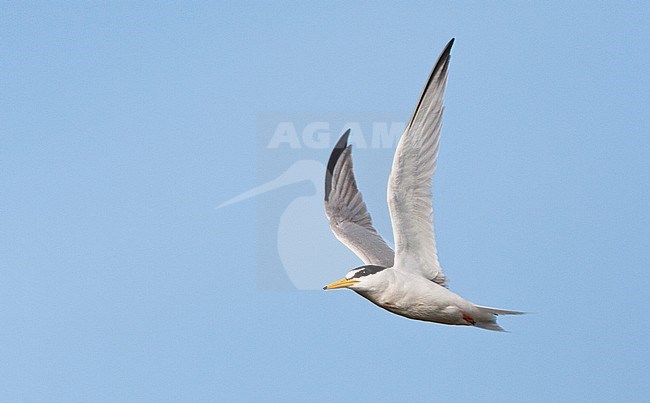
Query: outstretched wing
x=346, y=211
x=409, y=186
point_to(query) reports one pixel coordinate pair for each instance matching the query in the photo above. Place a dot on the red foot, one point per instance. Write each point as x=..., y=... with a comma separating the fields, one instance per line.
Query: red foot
x=468, y=319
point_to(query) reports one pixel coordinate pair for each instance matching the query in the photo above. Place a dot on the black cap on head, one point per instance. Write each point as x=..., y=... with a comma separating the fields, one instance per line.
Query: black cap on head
x=367, y=270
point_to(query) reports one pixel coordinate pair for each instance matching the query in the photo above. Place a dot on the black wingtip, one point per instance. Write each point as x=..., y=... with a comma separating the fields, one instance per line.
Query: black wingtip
x=341, y=145
x=443, y=59
x=441, y=66
x=446, y=53
x=450, y=44
x=343, y=140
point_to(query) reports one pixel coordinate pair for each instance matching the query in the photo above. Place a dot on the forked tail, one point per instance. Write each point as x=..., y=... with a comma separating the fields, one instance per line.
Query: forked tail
x=488, y=317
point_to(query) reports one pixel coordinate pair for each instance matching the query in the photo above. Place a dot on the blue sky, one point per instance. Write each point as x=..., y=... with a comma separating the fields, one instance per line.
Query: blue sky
x=125, y=125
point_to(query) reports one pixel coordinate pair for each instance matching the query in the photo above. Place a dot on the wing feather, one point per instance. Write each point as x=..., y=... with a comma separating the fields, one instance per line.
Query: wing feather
x=346, y=211
x=409, y=186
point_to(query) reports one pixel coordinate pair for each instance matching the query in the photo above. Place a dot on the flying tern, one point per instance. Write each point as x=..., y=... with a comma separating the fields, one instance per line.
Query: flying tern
x=408, y=281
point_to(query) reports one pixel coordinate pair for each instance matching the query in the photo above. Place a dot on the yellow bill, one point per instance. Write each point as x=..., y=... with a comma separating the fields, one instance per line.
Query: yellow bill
x=344, y=282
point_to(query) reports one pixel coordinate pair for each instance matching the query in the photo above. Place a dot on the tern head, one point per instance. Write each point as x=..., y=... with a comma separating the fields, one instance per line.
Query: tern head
x=363, y=278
